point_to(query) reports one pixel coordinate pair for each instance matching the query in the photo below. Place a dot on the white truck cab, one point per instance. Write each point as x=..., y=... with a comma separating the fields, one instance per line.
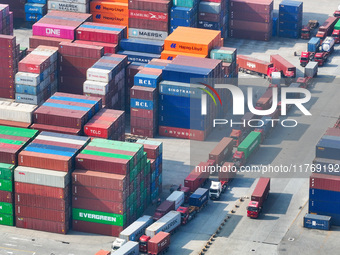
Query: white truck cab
x=215, y=190
x=117, y=244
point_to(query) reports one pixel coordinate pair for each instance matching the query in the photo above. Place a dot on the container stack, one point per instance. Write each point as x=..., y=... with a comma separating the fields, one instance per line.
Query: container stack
x=104, y=35
x=16, y=115
x=106, y=80
x=6, y=20
x=66, y=113
x=132, y=69
x=78, y=6
x=214, y=15
x=12, y=141
x=110, y=12
x=74, y=61
x=180, y=100
x=144, y=102
x=324, y=192
x=193, y=42
x=17, y=7
x=35, y=10
x=37, y=78
x=290, y=19
x=251, y=19
x=56, y=27
x=228, y=57
x=149, y=19
x=108, y=184
x=108, y=124
x=153, y=180
x=141, y=50
x=42, y=182
x=9, y=52
x=183, y=14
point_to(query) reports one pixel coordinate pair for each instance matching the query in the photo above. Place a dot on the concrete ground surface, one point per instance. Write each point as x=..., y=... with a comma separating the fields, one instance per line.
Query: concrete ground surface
x=279, y=229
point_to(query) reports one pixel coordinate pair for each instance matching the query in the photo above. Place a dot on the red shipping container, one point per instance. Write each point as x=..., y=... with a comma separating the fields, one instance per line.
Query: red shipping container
x=143, y=123
x=14, y=124
x=149, y=24
x=35, y=41
x=97, y=35
x=143, y=113
x=253, y=64
x=108, y=47
x=252, y=16
x=333, y=132
x=209, y=17
x=7, y=41
x=42, y=225
x=45, y=161
x=133, y=69
x=143, y=132
x=102, y=164
x=197, y=177
x=257, y=6
x=222, y=151
x=84, y=50
x=56, y=129
x=228, y=172
x=42, y=202
x=250, y=35
x=182, y=133
x=149, y=15
x=99, y=180
x=152, y=151
x=96, y=228
x=99, y=205
x=42, y=213
x=251, y=25
x=145, y=93
x=325, y=182
x=151, y=5
x=34, y=64
x=40, y=190
x=6, y=197
x=79, y=61
x=7, y=93
x=159, y=243
x=9, y=153
x=101, y=194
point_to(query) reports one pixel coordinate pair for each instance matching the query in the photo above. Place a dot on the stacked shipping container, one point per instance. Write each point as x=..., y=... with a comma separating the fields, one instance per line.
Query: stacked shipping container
x=6, y=20
x=12, y=141
x=324, y=192
x=42, y=182
x=108, y=185
x=132, y=69
x=149, y=19
x=16, y=115
x=66, y=113
x=290, y=18
x=37, y=78
x=16, y=6
x=184, y=14
x=108, y=124
x=79, y=6
x=35, y=10
x=9, y=58
x=251, y=19
x=110, y=12
x=106, y=80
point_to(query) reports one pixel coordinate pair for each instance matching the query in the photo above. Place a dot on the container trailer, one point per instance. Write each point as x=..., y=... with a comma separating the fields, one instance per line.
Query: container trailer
x=177, y=197
x=159, y=244
x=128, y=248
x=163, y=209
x=311, y=70
x=255, y=66
x=246, y=148
x=258, y=197
x=306, y=30
x=238, y=135
x=286, y=68
x=337, y=12
x=327, y=28
x=198, y=177
x=313, y=47
x=266, y=127
x=222, y=151
x=265, y=101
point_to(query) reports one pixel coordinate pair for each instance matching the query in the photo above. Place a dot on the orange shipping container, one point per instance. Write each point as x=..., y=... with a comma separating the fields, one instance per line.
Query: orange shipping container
x=109, y=7
x=170, y=55
x=115, y=19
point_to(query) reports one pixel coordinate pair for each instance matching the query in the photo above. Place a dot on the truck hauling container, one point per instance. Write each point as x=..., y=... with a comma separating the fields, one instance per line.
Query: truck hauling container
x=159, y=244
x=266, y=127
x=258, y=197
x=265, y=101
x=222, y=151
x=336, y=32
x=306, y=30
x=255, y=66
x=177, y=197
x=246, y=148
x=197, y=201
x=163, y=208
x=129, y=248
x=198, y=177
x=225, y=176
x=168, y=223
x=313, y=47
x=132, y=232
x=238, y=135
x=286, y=68
x=326, y=28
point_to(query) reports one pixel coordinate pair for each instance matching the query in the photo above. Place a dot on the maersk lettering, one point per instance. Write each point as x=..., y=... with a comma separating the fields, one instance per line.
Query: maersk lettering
x=171, y=224
x=151, y=34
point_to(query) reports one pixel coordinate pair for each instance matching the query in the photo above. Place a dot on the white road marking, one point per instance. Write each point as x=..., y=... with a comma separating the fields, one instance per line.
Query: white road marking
x=20, y=239
x=9, y=244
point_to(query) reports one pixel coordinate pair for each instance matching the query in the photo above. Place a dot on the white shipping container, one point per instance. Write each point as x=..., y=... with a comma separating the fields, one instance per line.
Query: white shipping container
x=69, y=7
x=147, y=34
x=136, y=229
x=96, y=87
x=60, y=139
x=177, y=197
x=49, y=52
x=75, y=1
x=31, y=79
x=16, y=112
x=167, y=223
x=29, y=99
x=39, y=176
x=96, y=74
x=130, y=248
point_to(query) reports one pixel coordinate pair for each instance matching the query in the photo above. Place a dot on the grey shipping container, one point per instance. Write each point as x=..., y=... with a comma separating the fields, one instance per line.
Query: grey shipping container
x=327, y=148
x=130, y=248
x=311, y=70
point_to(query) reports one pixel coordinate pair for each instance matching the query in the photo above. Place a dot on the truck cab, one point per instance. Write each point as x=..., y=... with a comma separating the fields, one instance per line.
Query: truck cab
x=215, y=190
x=271, y=69
x=236, y=135
x=336, y=13
x=290, y=73
x=305, y=32
x=143, y=243
x=117, y=244
x=321, y=35
x=321, y=58
x=187, y=214
x=336, y=35
x=253, y=209
x=305, y=58
x=239, y=158
x=304, y=81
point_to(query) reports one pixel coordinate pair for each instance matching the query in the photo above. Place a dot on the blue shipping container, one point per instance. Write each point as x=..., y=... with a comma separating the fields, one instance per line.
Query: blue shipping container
x=147, y=46
x=37, y=1
x=324, y=195
x=26, y=89
x=275, y=26
x=322, y=207
x=329, y=149
x=32, y=8
x=210, y=25
x=184, y=102
x=317, y=221
x=154, y=66
x=289, y=6
x=182, y=122
x=30, y=17
x=335, y=217
x=291, y=17
x=147, y=80
x=185, y=73
x=180, y=89
x=139, y=56
x=313, y=44
x=182, y=22
x=284, y=25
x=289, y=34
x=182, y=13
x=142, y=104
x=199, y=197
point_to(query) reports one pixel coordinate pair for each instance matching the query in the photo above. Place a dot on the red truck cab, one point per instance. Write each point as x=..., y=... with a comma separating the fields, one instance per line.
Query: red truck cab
x=336, y=13
x=321, y=58
x=336, y=35
x=143, y=243
x=187, y=213
x=304, y=81
x=239, y=158
x=236, y=135
x=253, y=209
x=305, y=58
x=305, y=32
x=258, y=197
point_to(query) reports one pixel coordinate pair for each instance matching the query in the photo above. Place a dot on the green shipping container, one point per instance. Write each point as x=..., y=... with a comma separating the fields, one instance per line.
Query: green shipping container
x=226, y=55
x=337, y=25
x=184, y=3
x=6, y=208
x=99, y=217
x=22, y=132
x=250, y=143
x=6, y=185
x=6, y=171
x=6, y=219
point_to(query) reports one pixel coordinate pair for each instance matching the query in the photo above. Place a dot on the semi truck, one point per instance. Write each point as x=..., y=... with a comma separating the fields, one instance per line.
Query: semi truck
x=265, y=101
x=337, y=12
x=255, y=66
x=327, y=49
x=132, y=232
x=313, y=47
x=286, y=68
x=224, y=177
x=197, y=201
x=238, y=135
x=336, y=32
x=306, y=30
x=130, y=248
x=159, y=244
x=162, y=209
x=326, y=28
x=177, y=197
x=197, y=179
x=246, y=148
x=258, y=197
x=265, y=128
x=168, y=223
x=222, y=150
